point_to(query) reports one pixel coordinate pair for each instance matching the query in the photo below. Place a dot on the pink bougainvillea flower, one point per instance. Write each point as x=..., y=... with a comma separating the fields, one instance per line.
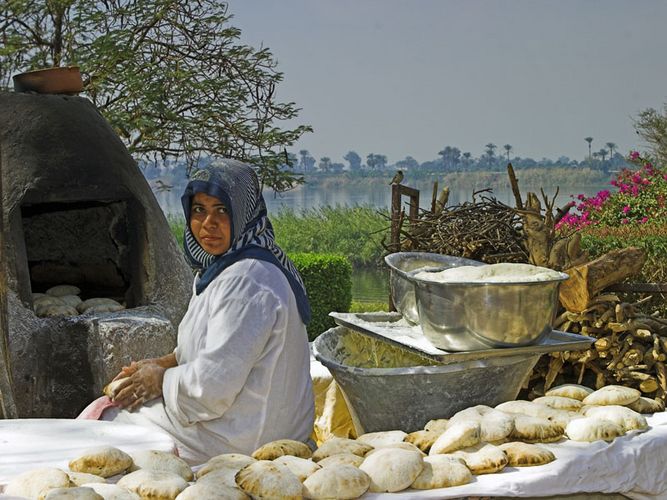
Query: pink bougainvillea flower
x=625, y=221
x=626, y=209
x=643, y=220
x=634, y=155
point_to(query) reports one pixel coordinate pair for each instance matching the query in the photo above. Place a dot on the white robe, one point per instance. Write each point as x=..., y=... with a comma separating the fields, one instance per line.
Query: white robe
x=243, y=376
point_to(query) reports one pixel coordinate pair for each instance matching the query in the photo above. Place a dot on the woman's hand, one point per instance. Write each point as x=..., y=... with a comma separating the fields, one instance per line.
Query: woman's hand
x=143, y=384
x=168, y=361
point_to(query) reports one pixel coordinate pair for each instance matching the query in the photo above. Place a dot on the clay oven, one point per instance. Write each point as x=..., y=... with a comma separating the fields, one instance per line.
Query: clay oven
x=78, y=211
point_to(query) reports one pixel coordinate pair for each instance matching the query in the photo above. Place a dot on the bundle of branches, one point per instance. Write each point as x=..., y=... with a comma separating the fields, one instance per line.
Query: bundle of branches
x=630, y=349
x=484, y=229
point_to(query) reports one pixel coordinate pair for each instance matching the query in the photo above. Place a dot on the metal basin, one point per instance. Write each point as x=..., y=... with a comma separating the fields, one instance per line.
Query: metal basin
x=403, y=264
x=389, y=388
x=472, y=316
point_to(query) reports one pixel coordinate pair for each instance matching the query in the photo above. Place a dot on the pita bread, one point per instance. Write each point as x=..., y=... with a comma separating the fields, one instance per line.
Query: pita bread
x=51, y=310
x=112, y=388
x=437, y=425
x=527, y=408
x=103, y=308
x=559, y=402
x=71, y=300
x=423, y=439
x=442, y=471
x=392, y=469
x=60, y=290
x=338, y=445
x=625, y=417
x=592, y=429
x=226, y=476
x=535, y=430
x=81, y=478
x=37, y=482
x=458, y=435
x=275, y=449
x=153, y=484
x=574, y=391
x=113, y=491
x=105, y=461
x=234, y=461
x=483, y=458
x=612, y=395
x=76, y=493
x=211, y=491
x=525, y=455
x=161, y=461
x=402, y=445
x=647, y=405
x=266, y=479
x=341, y=459
x=384, y=438
x=466, y=415
x=300, y=467
x=340, y=481
x=84, y=306
x=495, y=425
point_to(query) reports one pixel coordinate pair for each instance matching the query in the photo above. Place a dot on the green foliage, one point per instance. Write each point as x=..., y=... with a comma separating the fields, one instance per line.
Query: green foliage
x=328, y=281
x=170, y=76
x=651, y=125
x=362, y=307
x=355, y=232
x=177, y=226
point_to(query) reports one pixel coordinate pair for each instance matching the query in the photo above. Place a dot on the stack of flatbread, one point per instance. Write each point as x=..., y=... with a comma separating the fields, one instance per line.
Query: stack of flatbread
x=65, y=300
x=445, y=453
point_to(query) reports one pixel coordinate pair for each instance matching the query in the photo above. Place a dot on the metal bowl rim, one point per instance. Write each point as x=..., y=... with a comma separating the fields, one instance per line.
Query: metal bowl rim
x=423, y=283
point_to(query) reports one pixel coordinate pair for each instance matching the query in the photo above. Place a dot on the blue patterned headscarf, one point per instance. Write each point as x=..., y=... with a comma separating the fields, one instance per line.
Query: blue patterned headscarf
x=236, y=185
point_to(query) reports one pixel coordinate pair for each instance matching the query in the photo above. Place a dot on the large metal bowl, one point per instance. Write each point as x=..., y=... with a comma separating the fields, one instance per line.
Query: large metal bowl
x=458, y=316
x=404, y=264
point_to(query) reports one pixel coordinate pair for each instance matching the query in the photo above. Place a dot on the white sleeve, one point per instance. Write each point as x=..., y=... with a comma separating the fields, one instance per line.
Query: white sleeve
x=238, y=328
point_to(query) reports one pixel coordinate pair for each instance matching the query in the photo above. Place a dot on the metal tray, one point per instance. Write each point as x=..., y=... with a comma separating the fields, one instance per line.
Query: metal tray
x=393, y=328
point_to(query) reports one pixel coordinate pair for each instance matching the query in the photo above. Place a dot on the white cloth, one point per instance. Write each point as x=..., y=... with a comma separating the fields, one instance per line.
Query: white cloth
x=633, y=465
x=242, y=378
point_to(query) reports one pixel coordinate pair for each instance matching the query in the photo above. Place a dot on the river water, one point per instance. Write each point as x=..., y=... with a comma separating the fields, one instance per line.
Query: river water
x=372, y=284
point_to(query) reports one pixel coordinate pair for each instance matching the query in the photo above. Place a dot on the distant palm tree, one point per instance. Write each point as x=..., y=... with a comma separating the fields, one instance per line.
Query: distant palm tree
x=508, y=148
x=589, y=140
x=603, y=153
x=611, y=147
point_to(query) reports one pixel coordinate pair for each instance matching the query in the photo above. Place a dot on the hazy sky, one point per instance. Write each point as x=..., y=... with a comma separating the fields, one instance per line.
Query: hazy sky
x=408, y=77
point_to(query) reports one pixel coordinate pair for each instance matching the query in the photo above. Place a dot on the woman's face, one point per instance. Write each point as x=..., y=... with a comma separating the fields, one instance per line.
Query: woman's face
x=210, y=224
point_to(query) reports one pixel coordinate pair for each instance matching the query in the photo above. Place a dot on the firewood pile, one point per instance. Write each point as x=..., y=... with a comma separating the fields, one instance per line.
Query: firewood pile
x=631, y=345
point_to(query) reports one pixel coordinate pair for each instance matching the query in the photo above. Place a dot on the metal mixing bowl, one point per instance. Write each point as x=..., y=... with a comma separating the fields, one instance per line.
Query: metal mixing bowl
x=403, y=264
x=459, y=316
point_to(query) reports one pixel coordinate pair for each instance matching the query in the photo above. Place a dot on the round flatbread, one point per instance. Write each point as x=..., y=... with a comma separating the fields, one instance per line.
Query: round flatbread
x=211, y=491
x=612, y=395
x=81, y=478
x=336, y=481
x=625, y=417
x=76, y=493
x=402, y=445
x=442, y=471
x=535, y=430
x=559, y=402
x=161, y=461
x=437, y=425
x=300, y=467
x=338, y=445
x=392, y=469
x=526, y=455
x=105, y=461
x=341, y=459
x=647, y=405
x=592, y=429
x=458, y=435
x=37, y=482
x=384, y=438
x=153, y=484
x=574, y=391
x=275, y=449
x=423, y=439
x=265, y=479
x=60, y=290
x=113, y=491
x=483, y=458
x=84, y=306
x=51, y=310
x=235, y=461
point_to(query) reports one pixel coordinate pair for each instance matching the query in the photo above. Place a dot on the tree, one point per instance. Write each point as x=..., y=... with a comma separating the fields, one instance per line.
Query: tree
x=611, y=146
x=507, y=148
x=451, y=157
x=354, y=160
x=589, y=140
x=307, y=162
x=651, y=125
x=602, y=153
x=325, y=164
x=376, y=161
x=409, y=163
x=170, y=76
x=489, y=153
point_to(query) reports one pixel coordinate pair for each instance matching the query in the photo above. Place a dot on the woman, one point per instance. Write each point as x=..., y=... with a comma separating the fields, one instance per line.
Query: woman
x=239, y=376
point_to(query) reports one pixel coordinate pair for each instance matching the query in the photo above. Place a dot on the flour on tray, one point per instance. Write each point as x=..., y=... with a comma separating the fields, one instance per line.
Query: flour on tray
x=491, y=273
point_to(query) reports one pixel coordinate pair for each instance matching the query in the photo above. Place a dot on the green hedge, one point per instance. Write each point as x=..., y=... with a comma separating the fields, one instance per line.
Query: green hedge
x=328, y=280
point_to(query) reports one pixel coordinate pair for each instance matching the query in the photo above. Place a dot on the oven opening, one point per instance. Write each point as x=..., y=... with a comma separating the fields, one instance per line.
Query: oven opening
x=85, y=244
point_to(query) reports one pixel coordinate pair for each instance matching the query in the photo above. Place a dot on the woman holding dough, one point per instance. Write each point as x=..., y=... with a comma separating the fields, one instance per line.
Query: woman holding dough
x=239, y=376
